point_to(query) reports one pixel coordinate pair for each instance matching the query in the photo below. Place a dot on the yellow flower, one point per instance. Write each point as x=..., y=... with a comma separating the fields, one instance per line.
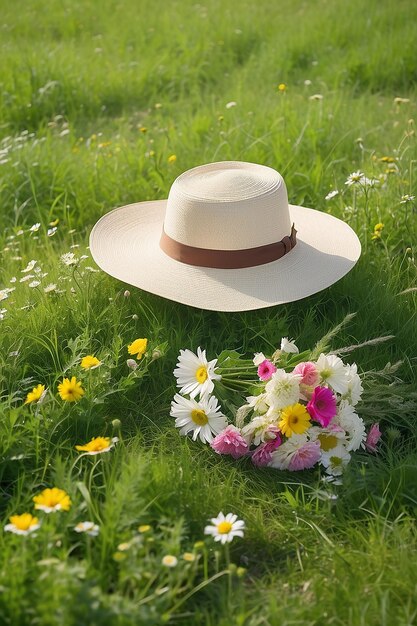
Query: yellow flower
x=144, y=528
x=172, y=158
x=142, y=129
x=90, y=362
x=55, y=222
x=35, y=395
x=98, y=445
x=70, y=390
x=387, y=159
x=51, y=500
x=294, y=420
x=282, y=87
x=22, y=524
x=188, y=556
x=378, y=228
x=138, y=347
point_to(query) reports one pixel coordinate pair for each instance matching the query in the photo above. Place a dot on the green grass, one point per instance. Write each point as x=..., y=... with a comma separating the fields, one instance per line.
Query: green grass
x=78, y=80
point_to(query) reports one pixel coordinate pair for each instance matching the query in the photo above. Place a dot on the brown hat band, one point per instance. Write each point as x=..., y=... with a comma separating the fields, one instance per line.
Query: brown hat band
x=227, y=259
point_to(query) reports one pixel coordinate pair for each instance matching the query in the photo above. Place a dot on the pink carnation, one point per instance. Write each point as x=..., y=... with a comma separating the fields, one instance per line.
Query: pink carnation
x=262, y=455
x=373, y=437
x=230, y=441
x=322, y=406
x=308, y=372
x=305, y=457
x=266, y=369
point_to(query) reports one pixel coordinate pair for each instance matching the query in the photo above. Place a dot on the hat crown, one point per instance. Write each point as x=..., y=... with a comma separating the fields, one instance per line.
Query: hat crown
x=229, y=205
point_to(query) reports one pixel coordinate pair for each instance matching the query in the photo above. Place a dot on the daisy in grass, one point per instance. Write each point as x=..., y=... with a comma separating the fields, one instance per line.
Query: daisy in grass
x=169, y=560
x=70, y=390
x=90, y=362
x=89, y=528
x=204, y=418
x=332, y=372
x=22, y=524
x=355, y=178
x=329, y=437
x=98, y=445
x=52, y=500
x=283, y=389
x=194, y=373
x=36, y=395
x=138, y=348
x=294, y=420
x=225, y=528
x=335, y=460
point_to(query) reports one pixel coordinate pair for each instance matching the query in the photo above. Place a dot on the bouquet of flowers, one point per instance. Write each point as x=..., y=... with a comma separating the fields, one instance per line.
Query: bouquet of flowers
x=299, y=410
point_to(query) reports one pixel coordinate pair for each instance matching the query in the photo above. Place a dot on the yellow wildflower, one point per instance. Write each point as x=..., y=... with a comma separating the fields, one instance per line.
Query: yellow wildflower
x=22, y=524
x=52, y=500
x=172, y=158
x=282, y=87
x=143, y=129
x=70, y=390
x=378, y=228
x=138, y=347
x=90, y=362
x=36, y=394
x=144, y=528
x=294, y=420
x=98, y=445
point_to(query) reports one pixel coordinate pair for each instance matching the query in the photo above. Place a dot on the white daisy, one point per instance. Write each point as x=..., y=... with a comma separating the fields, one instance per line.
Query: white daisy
x=204, y=418
x=225, y=528
x=354, y=178
x=406, y=198
x=282, y=456
x=288, y=345
x=68, y=259
x=329, y=437
x=335, y=460
x=230, y=105
x=194, y=373
x=89, y=528
x=29, y=266
x=26, y=278
x=52, y=231
x=50, y=288
x=283, y=389
x=34, y=283
x=352, y=424
x=35, y=228
x=332, y=372
x=355, y=389
x=331, y=194
x=4, y=293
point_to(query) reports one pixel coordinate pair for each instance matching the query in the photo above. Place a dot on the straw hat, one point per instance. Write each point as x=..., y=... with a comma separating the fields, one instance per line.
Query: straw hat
x=225, y=240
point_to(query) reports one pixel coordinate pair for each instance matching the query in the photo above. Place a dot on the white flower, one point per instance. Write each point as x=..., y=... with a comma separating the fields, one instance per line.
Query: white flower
x=13, y=279
x=335, y=460
x=369, y=182
x=288, y=345
x=169, y=560
x=258, y=358
x=2, y=314
x=406, y=198
x=282, y=456
x=89, y=528
x=35, y=228
x=52, y=231
x=256, y=431
x=258, y=403
x=49, y=288
x=331, y=194
x=29, y=266
x=352, y=424
x=316, y=96
x=225, y=528
x=332, y=372
x=354, y=178
x=4, y=293
x=283, y=389
x=329, y=437
x=26, y=278
x=194, y=373
x=355, y=389
x=230, y=105
x=68, y=259
x=34, y=283
x=204, y=418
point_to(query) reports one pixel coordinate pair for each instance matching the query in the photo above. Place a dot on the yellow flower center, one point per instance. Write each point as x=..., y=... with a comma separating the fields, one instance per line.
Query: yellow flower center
x=327, y=442
x=199, y=417
x=336, y=461
x=201, y=374
x=24, y=521
x=224, y=527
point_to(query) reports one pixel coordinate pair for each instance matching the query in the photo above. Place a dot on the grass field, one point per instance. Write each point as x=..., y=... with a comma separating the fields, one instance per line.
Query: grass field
x=95, y=99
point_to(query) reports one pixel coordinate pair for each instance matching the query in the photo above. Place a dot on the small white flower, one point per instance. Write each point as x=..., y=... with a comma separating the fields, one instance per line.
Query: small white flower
x=354, y=179
x=34, y=283
x=3, y=314
x=169, y=560
x=26, y=278
x=230, y=105
x=4, y=293
x=352, y=424
x=335, y=460
x=13, y=279
x=225, y=528
x=50, y=288
x=29, y=266
x=89, y=528
x=194, y=373
x=331, y=194
x=35, y=228
x=52, y=231
x=354, y=389
x=258, y=358
x=288, y=345
x=406, y=198
x=307, y=82
x=68, y=259
x=332, y=372
x=282, y=389
x=204, y=418
x=91, y=269
x=316, y=96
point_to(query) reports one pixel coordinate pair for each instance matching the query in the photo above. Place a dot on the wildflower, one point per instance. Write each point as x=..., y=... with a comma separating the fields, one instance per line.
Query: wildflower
x=2, y=314
x=131, y=363
x=230, y=105
x=282, y=87
x=194, y=374
x=172, y=158
x=54, y=222
x=34, y=283
x=70, y=390
x=387, y=159
x=35, y=228
x=124, y=546
x=143, y=129
x=144, y=528
x=263, y=454
x=261, y=428
x=22, y=524
x=331, y=194
x=399, y=101
x=50, y=288
x=230, y=441
x=335, y=460
x=36, y=395
x=354, y=385
x=52, y=231
x=52, y=500
x=283, y=389
x=138, y=347
x=307, y=82
x=204, y=418
x=378, y=228
x=126, y=293
x=68, y=259
x=225, y=528
x=97, y=445
x=294, y=420
x=90, y=362
x=316, y=96
x=352, y=424
x=332, y=372
x=373, y=437
x=266, y=369
x=189, y=557
x=259, y=358
x=322, y=406
x=169, y=560
x=354, y=178
x=4, y=293
x=288, y=346
x=406, y=198
x=89, y=528
x=29, y=267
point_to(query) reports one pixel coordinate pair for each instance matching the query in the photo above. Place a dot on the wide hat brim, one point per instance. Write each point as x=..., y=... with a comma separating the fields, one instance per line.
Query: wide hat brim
x=125, y=244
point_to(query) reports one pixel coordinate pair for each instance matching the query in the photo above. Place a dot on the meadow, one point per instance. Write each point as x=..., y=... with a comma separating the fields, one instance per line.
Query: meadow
x=104, y=104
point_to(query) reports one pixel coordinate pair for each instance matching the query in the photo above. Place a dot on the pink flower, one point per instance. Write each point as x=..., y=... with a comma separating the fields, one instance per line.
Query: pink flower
x=373, y=437
x=305, y=457
x=322, y=406
x=266, y=369
x=308, y=372
x=262, y=454
x=230, y=441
